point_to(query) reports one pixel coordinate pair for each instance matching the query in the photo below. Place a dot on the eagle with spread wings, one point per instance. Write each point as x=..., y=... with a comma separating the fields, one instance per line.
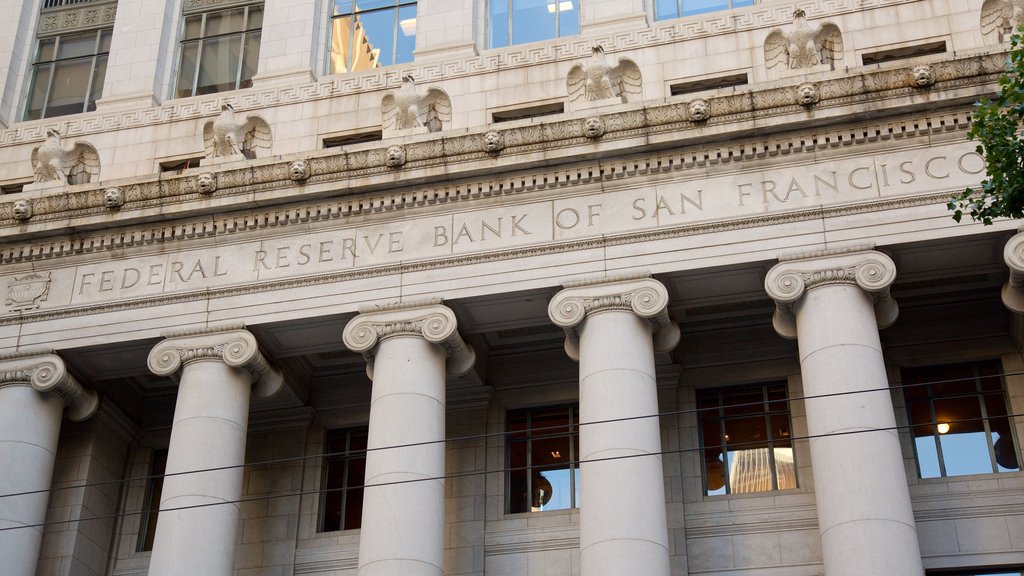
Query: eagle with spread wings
x=597, y=79
x=226, y=136
x=803, y=45
x=405, y=108
x=51, y=161
x=1001, y=17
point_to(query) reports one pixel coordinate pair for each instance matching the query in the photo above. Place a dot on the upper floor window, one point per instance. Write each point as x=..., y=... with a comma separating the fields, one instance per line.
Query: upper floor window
x=745, y=436
x=543, y=466
x=219, y=50
x=665, y=9
x=959, y=419
x=367, y=34
x=341, y=504
x=520, y=21
x=67, y=74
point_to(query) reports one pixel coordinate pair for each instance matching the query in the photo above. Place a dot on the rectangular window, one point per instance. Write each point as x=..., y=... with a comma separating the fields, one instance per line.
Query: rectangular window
x=520, y=21
x=367, y=34
x=543, y=467
x=745, y=435
x=981, y=572
x=150, y=512
x=665, y=9
x=341, y=501
x=959, y=419
x=67, y=74
x=219, y=51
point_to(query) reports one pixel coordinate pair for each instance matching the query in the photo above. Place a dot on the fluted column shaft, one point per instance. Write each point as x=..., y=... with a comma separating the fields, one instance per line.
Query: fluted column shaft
x=409, y=349
x=198, y=519
x=613, y=329
x=834, y=305
x=34, y=390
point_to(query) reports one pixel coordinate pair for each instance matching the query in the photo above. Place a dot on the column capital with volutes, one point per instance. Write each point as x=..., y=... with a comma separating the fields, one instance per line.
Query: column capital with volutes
x=429, y=320
x=861, y=266
x=636, y=293
x=232, y=345
x=43, y=370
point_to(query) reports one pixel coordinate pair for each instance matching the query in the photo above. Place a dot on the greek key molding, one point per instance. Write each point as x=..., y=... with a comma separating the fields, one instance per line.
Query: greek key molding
x=872, y=271
x=1013, y=290
x=434, y=322
x=75, y=17
x=231, y=345
x=45, y=371
x=643, y=296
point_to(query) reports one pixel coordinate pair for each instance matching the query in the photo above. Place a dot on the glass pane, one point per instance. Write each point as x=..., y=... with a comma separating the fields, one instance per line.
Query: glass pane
x=225, y=22
x=990, y=376
x=777, y=397
x=701, y=6
x=533, y=20
x=334, y=495
x=76, y=45
x=353, y=509
x=714, y=472
x=255, y=18
x=406, y=39
x=927, y=453
x=665, y=9
x=965, y=445
x=550, y=422
x=568, y=17
x=193, y=27
x=551, y=489
x=342, y=7
x=741, y=3
x=374, y=40
x=45, y=51
x=1002, y=437
x=37, y=92
x=69, y=86
x=97, y=82
x=746, y=400
x=518, y=499
x=250, y=59
x=363, y=5
x=749, y=471
x=780, y=431
x=954, y=379
x=497, y=23
x=785, y=467
x=550, y=451
x=105, y=41
x=218, y=69
x=341, y=40
x=187, y=69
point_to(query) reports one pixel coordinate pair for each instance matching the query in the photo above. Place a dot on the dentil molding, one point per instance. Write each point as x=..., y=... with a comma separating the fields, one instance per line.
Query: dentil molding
x=232, y=345
x=638, y=294
x=432, y=321
x=46, y=372
x=862, y=266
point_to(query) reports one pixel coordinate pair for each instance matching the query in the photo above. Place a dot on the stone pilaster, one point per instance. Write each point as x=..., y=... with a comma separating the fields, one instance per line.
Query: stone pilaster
x=35, y=389
x=613, y=327
x=833, y=303
x=409, y=349
x=198, y=522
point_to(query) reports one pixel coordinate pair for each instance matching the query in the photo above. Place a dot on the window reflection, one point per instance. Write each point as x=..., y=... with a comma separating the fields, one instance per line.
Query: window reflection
x=543, y=468
x=372, y=33
x=521, y=21
x=664, y=9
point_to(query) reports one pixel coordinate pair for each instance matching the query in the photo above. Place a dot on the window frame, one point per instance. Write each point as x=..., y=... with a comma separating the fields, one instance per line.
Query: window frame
x=201, y=39
x=395, y=5
x=347, y=456
x=528, y=436
x=94, y=57
x=489, y=24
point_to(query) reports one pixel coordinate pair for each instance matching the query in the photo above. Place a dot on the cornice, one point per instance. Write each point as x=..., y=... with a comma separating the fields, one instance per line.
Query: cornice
x=46, y=372
x=231, y=345
x=788, y=280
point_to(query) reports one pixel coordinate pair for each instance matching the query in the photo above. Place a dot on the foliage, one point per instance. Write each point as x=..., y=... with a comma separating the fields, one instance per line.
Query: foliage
x=996, y=125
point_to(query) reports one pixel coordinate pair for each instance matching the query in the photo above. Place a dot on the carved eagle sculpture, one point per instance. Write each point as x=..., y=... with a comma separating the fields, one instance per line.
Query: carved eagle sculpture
x=226, y=136
x=1001, y=17
x=597, y=79
x=405, y=108
x=804, y=45
x=75, y=165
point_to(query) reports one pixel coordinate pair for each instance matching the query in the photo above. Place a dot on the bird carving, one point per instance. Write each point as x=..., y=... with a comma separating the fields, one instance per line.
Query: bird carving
x=803, y=45
x=1001, y=17
x=597, y=79
x=226, y=136
x=51, y=161
x=405, y=108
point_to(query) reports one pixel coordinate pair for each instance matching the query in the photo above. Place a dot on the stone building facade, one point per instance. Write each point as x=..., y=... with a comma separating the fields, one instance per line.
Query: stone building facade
x=500, y=287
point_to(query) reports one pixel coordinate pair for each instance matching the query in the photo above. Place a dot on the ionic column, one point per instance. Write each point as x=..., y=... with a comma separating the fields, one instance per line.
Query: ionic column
x=35, y=388
x=408, y=349
x=1013, y=290
x=834, y=303
x=198, y=521
x=613, y=328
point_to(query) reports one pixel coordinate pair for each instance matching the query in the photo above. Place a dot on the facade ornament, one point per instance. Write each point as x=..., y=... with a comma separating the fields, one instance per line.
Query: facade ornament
x=227, y=139
x=1013, y=290
x=52, y=162
x=862, y=266
x=593, y=127
x=207, y=183
x=26, y=292
x=999, y=18
x=405, y=109
x=395, y=157
x=494, y=142
x=803, y=46
x=922, y=76
x=807, y=94
x=22, y=210
x=639, y=294
x=432, y=321
x=113, y=197
x=43, y=370
x=298, y=170
x=599, y=80
x=232, y=345
x=699, y=110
